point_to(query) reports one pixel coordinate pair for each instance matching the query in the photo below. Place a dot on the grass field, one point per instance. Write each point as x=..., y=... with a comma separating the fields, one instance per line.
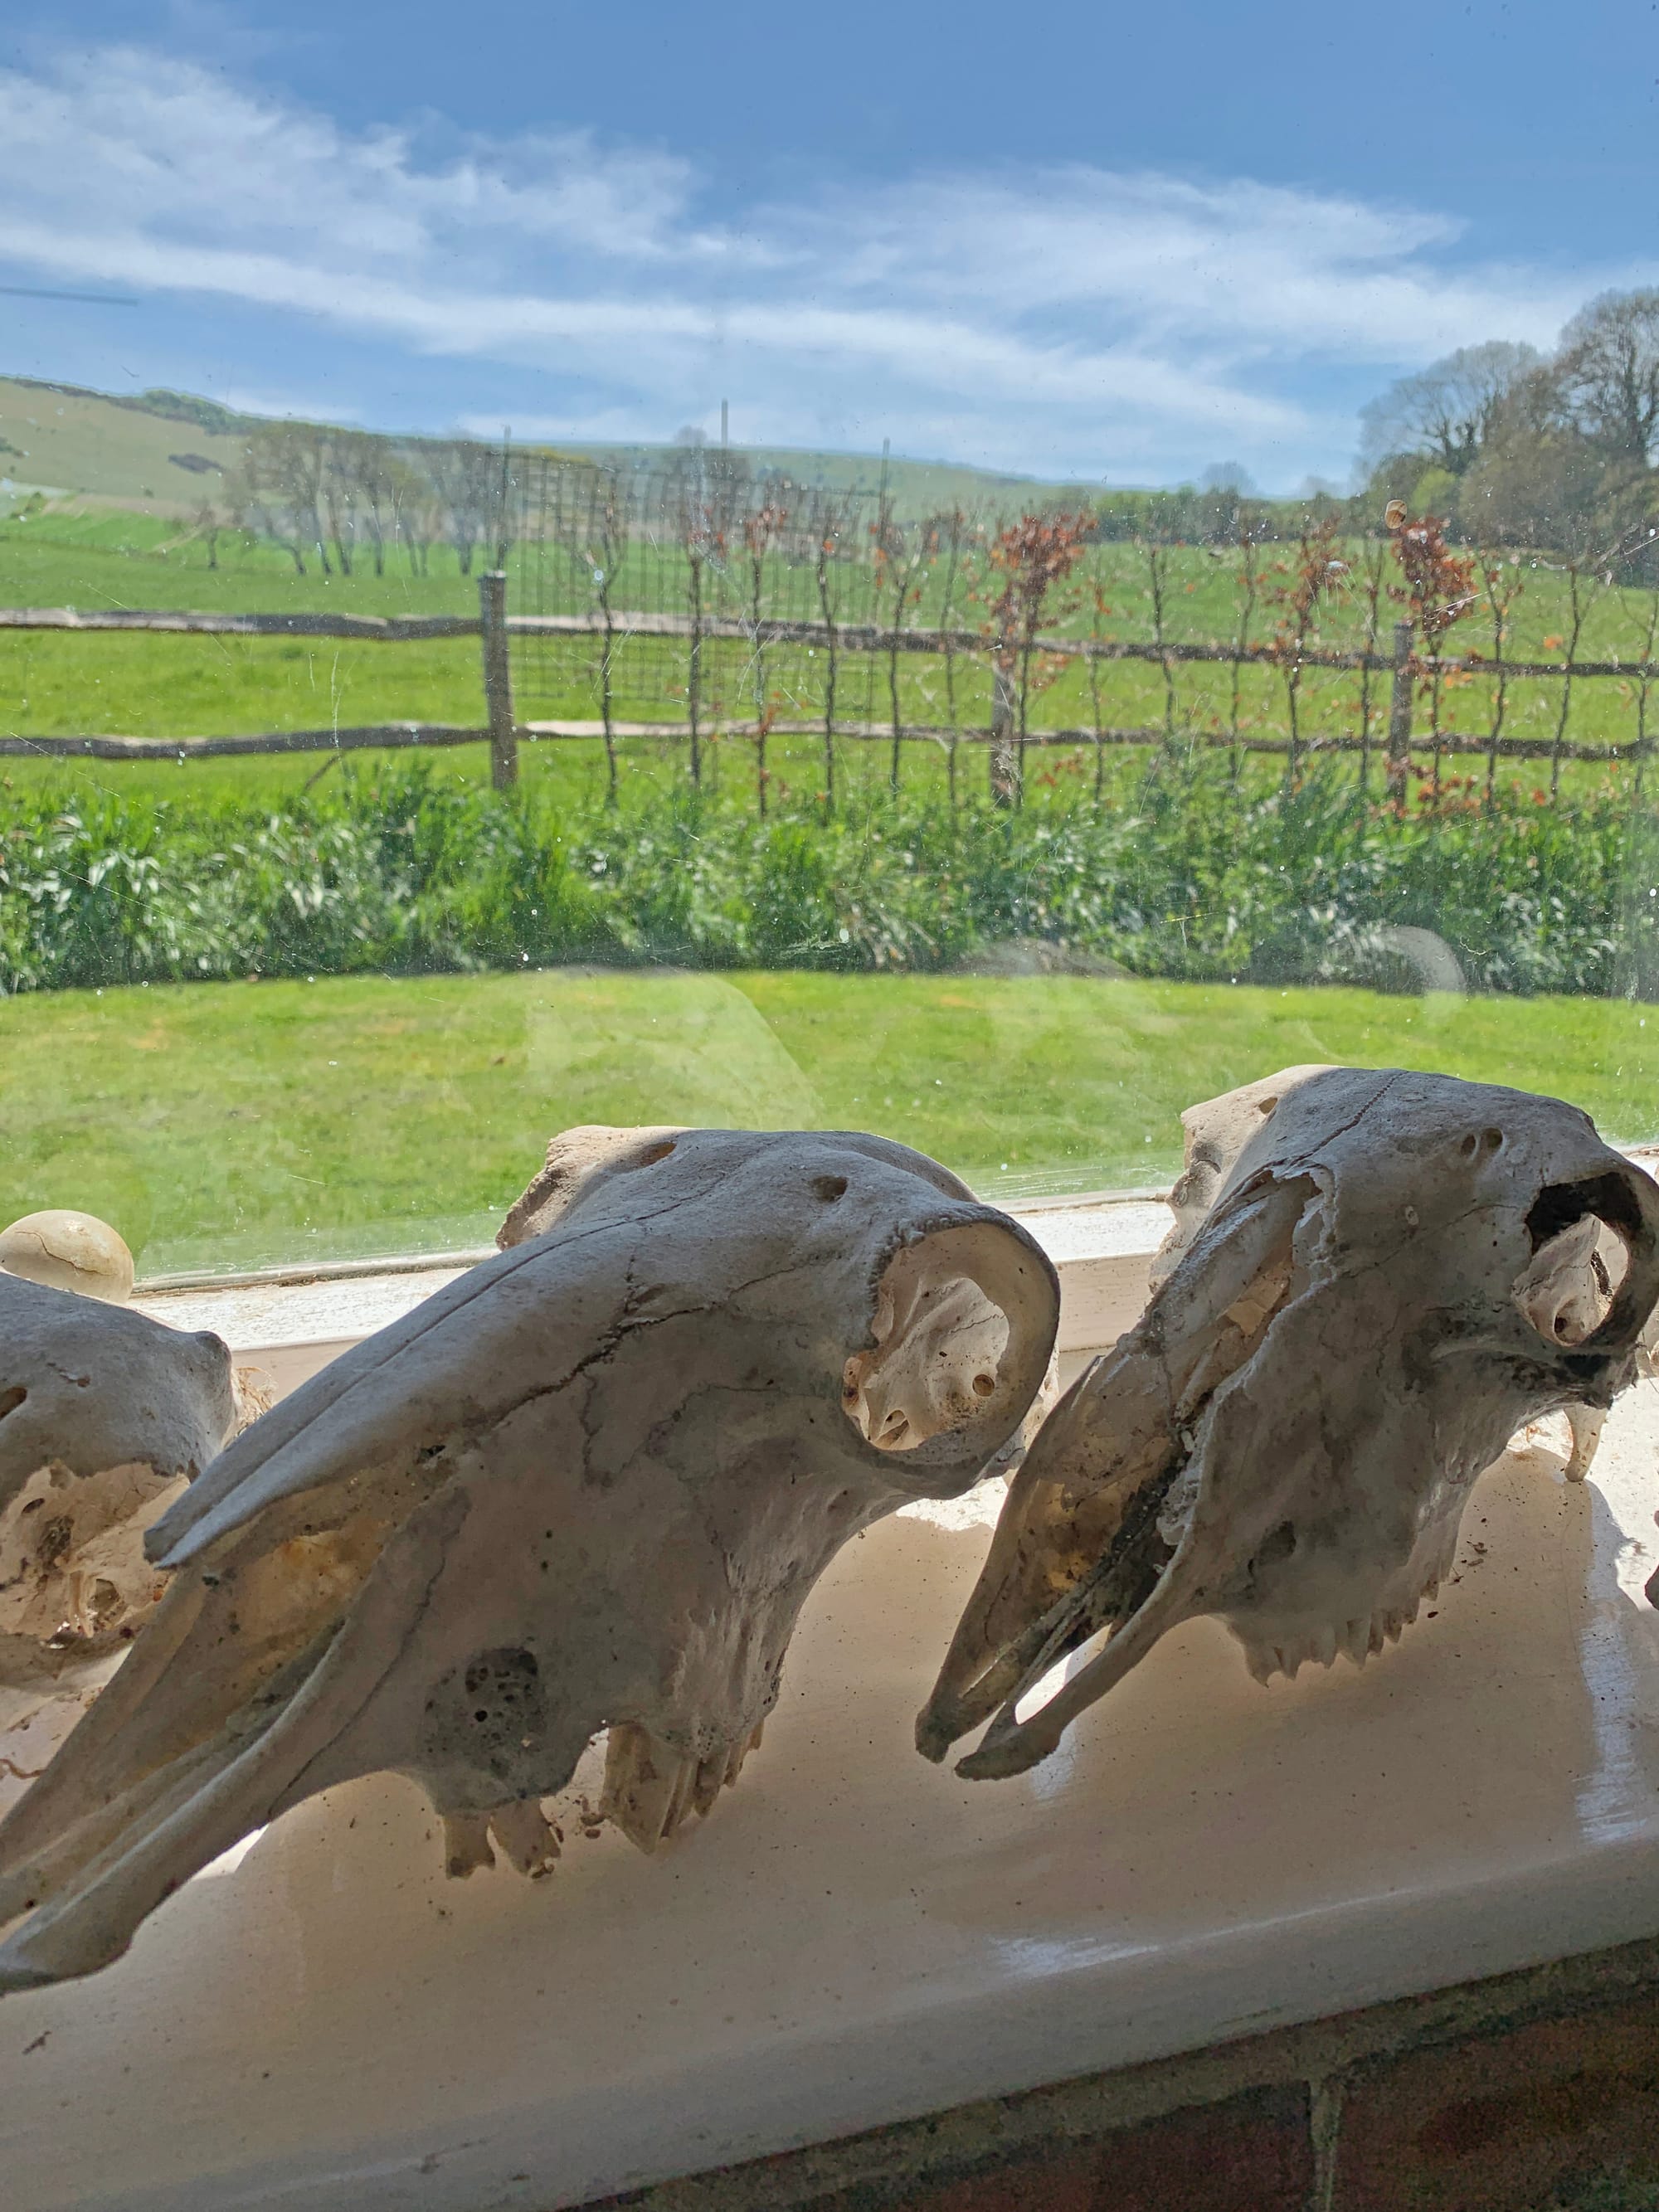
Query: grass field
x=225, y=1126
x=159, y=686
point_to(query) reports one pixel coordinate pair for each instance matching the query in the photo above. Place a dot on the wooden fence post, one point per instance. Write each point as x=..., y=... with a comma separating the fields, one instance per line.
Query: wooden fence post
x=1400, y=714
x=1005, y=711
x=498, y=681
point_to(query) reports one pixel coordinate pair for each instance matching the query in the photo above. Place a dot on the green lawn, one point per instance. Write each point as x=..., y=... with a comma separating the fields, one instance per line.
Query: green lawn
x=237, y=1124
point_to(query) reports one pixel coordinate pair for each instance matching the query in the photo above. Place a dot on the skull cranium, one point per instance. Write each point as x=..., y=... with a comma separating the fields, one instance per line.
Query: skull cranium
x=1574, y=1279
x=586, y=1486
x=1288, y=1436
x=105, y=1415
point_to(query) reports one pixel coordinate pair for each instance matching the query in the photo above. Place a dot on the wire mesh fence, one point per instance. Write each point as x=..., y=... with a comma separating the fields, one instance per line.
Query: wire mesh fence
x=729, y=559
x=698, y=597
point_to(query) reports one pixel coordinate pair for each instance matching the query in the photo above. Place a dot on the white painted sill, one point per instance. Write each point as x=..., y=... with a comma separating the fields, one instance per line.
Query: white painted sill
x=855, y=1937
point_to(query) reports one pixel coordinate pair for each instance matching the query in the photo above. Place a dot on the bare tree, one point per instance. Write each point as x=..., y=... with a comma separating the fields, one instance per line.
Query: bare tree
x=904, y=561
x=1609, y=369
x=372, y=475
x=953, y=527
x=828, y=530
x=1444, y=412
x=602, y=547
x=339, y=501
x=211, y=520
x=279, y=485
x=418, y=511
x=762, y=533
x=703, y=494
x=471, y=481
x=1502, y=585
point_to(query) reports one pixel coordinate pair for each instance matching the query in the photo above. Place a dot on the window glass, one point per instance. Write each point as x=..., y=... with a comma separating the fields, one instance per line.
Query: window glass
x=800, y=581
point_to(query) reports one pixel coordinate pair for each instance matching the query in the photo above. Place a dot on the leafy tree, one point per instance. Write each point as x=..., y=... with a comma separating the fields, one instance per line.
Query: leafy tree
x=1609, y=370
x=1445, y=412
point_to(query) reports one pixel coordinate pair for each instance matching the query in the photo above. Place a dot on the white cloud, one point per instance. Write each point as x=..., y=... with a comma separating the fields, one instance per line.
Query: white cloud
x=1069, y=319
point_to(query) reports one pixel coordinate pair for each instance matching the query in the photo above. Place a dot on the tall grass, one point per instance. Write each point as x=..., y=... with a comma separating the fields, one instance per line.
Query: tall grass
x=1187, y=875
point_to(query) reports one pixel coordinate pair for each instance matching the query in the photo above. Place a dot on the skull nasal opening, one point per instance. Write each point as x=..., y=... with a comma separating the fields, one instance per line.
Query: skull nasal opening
x=1559, y=1206
x=1584, y=1237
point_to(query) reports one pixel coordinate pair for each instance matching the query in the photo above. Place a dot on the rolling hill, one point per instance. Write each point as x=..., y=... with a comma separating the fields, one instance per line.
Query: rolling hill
x=155, y=452
x=160, y=452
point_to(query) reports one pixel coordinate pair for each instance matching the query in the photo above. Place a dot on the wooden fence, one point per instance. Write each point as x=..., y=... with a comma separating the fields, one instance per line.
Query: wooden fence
x=496, y=628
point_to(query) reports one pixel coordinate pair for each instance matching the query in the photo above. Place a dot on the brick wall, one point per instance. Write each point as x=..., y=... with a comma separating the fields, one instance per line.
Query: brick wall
x=1535, y=2092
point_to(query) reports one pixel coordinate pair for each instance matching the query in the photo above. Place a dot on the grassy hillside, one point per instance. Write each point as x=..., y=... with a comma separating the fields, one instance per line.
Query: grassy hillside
x=59, y=438
x=917, y=487
x=128, y=453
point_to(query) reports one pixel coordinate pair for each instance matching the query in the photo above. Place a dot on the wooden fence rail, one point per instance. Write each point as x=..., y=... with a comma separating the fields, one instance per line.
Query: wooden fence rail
x=391, y=737
x=496, y=627
x=849, y=638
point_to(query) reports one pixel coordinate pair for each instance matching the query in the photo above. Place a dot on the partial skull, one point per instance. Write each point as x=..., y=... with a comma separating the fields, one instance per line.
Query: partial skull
x=105, y=1416
x=69, y=1252
x=1574, y=1279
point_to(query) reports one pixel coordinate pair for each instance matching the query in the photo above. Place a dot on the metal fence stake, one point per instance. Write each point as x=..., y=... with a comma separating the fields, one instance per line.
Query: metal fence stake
x=498, y=680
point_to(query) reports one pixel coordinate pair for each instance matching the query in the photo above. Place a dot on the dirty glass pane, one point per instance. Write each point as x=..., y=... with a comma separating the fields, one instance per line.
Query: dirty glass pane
x=535, y=592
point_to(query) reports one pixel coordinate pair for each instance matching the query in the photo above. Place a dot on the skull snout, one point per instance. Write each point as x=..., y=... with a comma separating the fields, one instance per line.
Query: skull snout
x=934, y=1365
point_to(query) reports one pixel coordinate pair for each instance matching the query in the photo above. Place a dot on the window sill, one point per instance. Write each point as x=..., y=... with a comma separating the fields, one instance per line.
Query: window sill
x=288, y=1326
x=854, y=1937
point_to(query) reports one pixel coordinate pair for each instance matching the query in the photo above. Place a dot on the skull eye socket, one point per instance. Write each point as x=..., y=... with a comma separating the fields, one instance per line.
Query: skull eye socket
x=1560, y=1205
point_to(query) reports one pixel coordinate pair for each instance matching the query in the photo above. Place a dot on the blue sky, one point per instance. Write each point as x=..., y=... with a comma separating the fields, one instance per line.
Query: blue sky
x=1093, y=241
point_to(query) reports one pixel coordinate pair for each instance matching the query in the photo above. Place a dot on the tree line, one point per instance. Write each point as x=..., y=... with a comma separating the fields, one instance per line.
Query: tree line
x=1551, y=452
x=1506, y=445
x=352, y=499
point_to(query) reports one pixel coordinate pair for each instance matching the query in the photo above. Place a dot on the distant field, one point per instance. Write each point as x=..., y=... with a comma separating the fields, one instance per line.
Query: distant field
x=126, y=451
x=220, y=1126
x=159, y=686
x=80, y=441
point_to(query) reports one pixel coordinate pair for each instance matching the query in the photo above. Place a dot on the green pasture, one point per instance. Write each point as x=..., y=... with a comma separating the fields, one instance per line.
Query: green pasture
x=227, y=1126
x=159, y=686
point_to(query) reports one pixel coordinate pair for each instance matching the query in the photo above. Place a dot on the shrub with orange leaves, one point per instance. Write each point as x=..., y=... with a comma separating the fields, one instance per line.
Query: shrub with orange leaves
x=1029, y=560
x=1438, y=586
x=1030, y=557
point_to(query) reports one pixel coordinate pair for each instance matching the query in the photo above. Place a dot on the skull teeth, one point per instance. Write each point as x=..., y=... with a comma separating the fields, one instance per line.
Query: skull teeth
x=650, y=1787
x=519, y=1826
x=1355, y=1639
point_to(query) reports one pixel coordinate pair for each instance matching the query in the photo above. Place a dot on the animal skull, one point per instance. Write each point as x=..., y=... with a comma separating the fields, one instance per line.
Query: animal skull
x=69, y=1251
x=1216, y=1131
x=105, y=1415
x=1288, y=1436
x=588, y=1485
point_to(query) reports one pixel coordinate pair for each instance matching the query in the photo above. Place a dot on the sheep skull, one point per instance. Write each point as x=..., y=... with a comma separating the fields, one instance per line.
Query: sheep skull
x=588, y=1485
x=105, y=1415
x=1288, y=1436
